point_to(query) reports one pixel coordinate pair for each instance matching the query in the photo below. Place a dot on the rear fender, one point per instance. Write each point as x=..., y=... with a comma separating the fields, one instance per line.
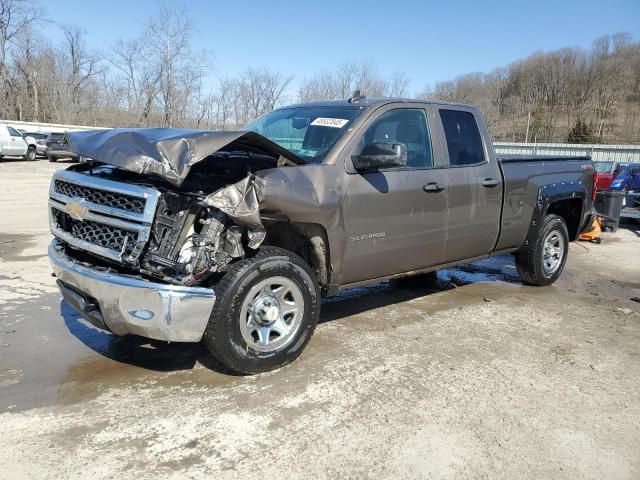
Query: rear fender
x=550, y=195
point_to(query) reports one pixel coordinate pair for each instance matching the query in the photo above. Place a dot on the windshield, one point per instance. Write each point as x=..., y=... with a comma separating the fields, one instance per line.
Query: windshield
x=603, y=167
x=309, y=132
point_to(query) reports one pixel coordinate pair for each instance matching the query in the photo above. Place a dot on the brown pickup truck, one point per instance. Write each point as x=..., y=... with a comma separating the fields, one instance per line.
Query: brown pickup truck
x=234, y=237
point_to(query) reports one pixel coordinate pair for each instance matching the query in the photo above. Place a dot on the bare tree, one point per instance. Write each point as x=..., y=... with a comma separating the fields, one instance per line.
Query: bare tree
x=398, y=85
x=82, y=64
x=168, y=36
x=16, y=16
x=351, y=76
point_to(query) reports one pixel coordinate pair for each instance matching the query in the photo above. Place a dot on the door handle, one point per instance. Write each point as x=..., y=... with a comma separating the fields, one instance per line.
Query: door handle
x=490, y=182
x=433, y=187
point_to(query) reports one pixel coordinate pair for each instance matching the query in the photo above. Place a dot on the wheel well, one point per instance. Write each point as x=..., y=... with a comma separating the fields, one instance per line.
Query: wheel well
x=570, y=210
x=307, y=240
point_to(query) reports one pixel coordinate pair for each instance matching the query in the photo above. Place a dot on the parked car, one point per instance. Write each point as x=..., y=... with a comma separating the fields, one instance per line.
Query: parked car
x=628, y=179
x=13, y=144
x=233, y=237
x=40, y=141
x=58, y=147
x=606, y=172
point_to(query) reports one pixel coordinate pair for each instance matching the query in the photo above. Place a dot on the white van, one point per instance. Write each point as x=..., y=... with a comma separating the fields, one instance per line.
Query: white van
x=13, y=144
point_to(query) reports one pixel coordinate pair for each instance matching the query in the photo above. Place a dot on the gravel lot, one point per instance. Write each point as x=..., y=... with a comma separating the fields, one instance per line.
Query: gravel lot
x=475, y=377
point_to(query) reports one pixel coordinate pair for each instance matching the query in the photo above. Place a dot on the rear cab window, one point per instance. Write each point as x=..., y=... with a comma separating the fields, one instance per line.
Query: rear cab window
x=464, y=142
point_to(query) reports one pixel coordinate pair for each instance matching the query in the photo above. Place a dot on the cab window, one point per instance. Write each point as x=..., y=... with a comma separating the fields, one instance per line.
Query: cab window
x=463, y=138
x=13, y=132
x=403, y=125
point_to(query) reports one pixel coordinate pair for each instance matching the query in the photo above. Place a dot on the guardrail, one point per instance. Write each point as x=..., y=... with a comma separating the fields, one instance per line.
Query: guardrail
x=597, y=152
x=36, y=127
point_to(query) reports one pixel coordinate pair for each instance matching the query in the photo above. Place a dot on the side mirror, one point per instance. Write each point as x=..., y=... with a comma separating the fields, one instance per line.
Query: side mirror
x=377, y=156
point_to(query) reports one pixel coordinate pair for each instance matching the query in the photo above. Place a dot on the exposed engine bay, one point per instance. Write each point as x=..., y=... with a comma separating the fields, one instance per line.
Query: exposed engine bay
x=198, y=227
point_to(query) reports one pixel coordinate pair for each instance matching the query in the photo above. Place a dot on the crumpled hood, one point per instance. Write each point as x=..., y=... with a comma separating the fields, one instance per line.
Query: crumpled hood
x=168, y=153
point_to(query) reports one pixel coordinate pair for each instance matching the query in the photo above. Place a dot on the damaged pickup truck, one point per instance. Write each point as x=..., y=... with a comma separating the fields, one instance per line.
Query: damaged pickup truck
x=234, y=237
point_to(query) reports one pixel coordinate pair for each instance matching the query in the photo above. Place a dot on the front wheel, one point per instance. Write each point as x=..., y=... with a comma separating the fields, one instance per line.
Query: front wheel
x=266, y=309
x=31, y=155
x=51, y=159
x=542, y=262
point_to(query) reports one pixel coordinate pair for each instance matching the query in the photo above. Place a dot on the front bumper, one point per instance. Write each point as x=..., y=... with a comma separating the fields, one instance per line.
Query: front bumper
x=126, y=305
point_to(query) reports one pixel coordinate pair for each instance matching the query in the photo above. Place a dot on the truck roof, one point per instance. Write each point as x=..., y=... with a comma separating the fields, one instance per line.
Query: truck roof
x=371, y=102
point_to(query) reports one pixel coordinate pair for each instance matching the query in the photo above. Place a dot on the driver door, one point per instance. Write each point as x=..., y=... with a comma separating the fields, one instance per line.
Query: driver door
x=16, y=144
x=395, y=218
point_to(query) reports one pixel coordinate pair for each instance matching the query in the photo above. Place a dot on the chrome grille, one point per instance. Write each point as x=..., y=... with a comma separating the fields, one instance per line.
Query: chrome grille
x=100, y=197
x=107, y=218
x=104, y=236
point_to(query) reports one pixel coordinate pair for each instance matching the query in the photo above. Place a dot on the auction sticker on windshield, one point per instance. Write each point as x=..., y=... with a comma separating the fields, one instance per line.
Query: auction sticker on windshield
x=329, y=122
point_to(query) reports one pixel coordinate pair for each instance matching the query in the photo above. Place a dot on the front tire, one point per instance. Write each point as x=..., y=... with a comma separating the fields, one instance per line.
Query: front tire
x=542, y=262
x=31, y=155
x=51, y=159
x=266, y=309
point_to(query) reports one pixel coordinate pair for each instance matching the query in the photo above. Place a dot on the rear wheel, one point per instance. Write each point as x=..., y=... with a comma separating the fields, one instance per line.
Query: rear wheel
x=542, y=262
x=51, y=159
x=265, y=312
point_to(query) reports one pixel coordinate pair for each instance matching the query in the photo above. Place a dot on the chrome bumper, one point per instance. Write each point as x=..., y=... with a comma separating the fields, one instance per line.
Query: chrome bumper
x=125, y=305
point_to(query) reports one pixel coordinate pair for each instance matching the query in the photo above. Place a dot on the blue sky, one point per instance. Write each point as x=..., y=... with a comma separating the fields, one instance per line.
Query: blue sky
x=428, y=40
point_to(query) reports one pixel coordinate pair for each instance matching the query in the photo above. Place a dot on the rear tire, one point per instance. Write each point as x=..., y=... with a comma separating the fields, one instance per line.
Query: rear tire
x=542, y=262
x=266, y=309
x=51, y=159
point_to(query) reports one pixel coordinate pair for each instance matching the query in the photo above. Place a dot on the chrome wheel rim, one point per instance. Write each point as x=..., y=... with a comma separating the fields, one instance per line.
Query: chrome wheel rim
x=271, y=314
x=553, y=252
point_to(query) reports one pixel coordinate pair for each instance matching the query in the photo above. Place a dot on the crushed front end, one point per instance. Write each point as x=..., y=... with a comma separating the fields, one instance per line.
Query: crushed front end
x=115, y=261
x=142, y=230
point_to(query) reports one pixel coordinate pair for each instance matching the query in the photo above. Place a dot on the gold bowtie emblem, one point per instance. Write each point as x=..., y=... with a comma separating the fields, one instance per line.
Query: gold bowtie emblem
x=76, y=210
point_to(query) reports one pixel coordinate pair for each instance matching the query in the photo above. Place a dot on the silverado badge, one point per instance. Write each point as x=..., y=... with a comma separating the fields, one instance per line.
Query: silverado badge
x=76, y=209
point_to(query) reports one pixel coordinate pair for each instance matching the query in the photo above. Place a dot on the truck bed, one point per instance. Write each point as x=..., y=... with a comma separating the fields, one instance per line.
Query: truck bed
x=538, y=158
x=525, y=176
